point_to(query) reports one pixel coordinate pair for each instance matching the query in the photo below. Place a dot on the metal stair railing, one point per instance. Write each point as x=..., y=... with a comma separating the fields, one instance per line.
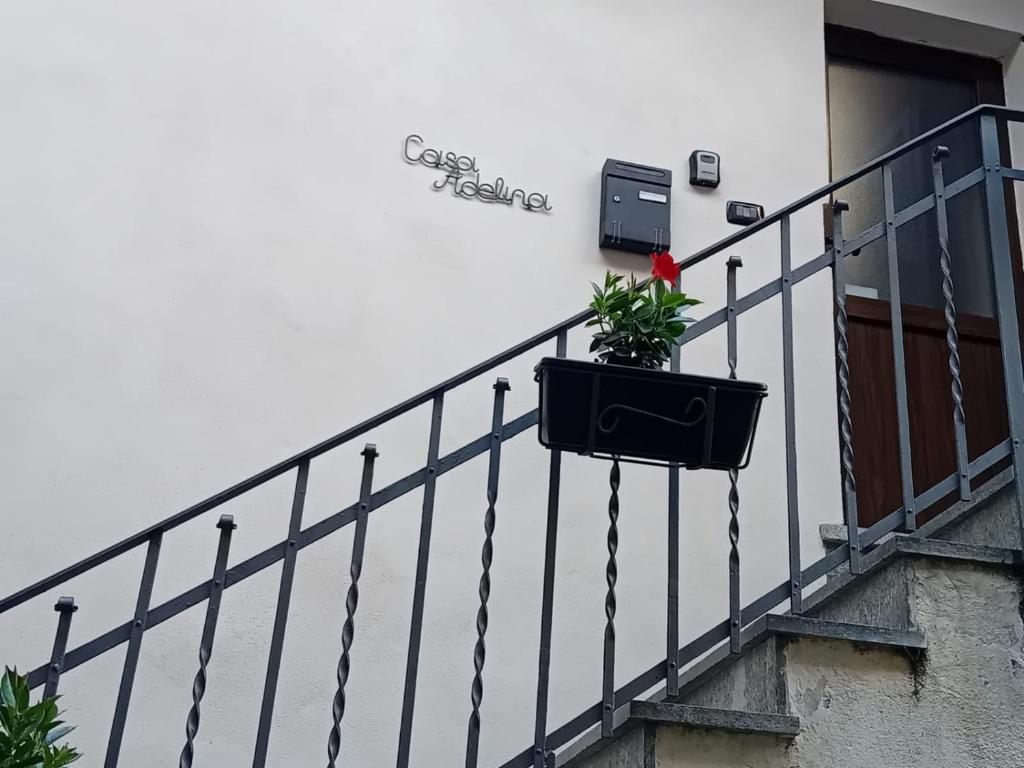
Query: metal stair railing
x=992, y=174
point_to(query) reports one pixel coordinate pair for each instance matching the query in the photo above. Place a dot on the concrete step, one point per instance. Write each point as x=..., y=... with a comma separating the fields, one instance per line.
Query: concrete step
x=918, y=663
x=755, y=679
x=730, y=720
x=730, y=693
x=633, y=743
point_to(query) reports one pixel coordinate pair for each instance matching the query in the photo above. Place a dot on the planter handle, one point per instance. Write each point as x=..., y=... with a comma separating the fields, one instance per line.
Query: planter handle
x=691, y=422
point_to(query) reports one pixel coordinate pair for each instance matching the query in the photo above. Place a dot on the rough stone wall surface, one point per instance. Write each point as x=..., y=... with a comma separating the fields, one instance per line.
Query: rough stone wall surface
x=957, y=706
x=866, y=707
x=704, y=749
x=880, y=599
x=995, y=526
x=753, y=683
x=625, y=752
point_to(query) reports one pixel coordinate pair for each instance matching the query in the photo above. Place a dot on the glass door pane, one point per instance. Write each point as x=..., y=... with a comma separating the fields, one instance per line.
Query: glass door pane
x=873, y=109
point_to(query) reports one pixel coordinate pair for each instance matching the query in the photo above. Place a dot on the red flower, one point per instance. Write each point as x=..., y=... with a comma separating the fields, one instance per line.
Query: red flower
x=665, y=267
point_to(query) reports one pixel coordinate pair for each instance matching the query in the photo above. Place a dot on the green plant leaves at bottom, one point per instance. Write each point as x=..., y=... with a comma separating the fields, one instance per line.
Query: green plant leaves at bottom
x=29, y=732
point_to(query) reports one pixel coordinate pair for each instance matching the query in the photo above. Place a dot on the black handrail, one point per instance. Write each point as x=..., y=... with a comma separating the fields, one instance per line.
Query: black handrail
x=92, y=561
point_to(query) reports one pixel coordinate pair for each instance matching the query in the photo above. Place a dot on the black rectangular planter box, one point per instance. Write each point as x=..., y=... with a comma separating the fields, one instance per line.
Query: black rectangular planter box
x=598, y=409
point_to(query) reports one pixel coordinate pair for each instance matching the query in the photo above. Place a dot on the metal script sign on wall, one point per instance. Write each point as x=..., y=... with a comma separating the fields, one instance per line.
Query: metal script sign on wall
x=462, y=175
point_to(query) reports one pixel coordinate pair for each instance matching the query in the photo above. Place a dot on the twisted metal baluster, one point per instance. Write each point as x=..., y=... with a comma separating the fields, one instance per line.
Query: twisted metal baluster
x=192, y=723
x=952, y=340
x=735, y=644
x=369, y=454
x=501, y=386
x=843, y=375
x=482, y=617
x=734, y=263
x=226, y=524
x=610, y=605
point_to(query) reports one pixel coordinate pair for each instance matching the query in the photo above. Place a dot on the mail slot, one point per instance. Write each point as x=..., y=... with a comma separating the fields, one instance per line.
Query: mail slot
x=636, y=207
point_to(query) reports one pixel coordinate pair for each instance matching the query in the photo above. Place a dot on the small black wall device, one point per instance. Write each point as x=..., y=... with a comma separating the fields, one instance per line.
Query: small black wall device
x=705, y=168
x=743, y=213
x=636, y=206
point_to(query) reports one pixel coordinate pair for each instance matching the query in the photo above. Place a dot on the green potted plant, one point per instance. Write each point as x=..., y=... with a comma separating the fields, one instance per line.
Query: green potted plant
x=624, y=405
x=29, y=732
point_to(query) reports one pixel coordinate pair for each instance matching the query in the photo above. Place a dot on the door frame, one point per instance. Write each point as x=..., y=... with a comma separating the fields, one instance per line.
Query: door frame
x=987, y=76
x=869, y=48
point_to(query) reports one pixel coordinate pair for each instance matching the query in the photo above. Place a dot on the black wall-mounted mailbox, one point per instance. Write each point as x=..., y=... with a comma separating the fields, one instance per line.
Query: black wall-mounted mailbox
x=636, y=207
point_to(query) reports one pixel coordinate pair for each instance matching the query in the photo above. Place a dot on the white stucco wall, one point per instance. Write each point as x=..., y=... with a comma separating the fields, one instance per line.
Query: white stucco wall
x=214, y=256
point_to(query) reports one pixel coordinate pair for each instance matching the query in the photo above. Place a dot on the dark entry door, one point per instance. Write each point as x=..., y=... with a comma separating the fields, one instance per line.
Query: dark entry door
x=882, y=94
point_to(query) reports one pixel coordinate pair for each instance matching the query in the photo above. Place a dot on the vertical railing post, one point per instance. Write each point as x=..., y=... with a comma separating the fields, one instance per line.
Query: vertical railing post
x=226, y=524
x=672, y=587
x=369, y=454
x=735, y=618
x=963, y=463
x=284, y=597
x=131, y=659
x=789, y=404
x=66, y=608
x=1006, y=307
x=610, y=606
x=540, y=748
x=843, y=378
x=420, y=590
x=486, y=558
x=898, y=355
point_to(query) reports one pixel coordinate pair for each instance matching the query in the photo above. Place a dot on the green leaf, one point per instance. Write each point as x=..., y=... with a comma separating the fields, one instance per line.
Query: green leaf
x=21, y=691
x=7, y=687
x=641, y=321
x=28, y=732
x=618, y=302
x=673, y=300
x=59, y=733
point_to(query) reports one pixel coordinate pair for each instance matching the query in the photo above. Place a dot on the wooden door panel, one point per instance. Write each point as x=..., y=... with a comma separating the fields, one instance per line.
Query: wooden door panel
x=929, y=395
